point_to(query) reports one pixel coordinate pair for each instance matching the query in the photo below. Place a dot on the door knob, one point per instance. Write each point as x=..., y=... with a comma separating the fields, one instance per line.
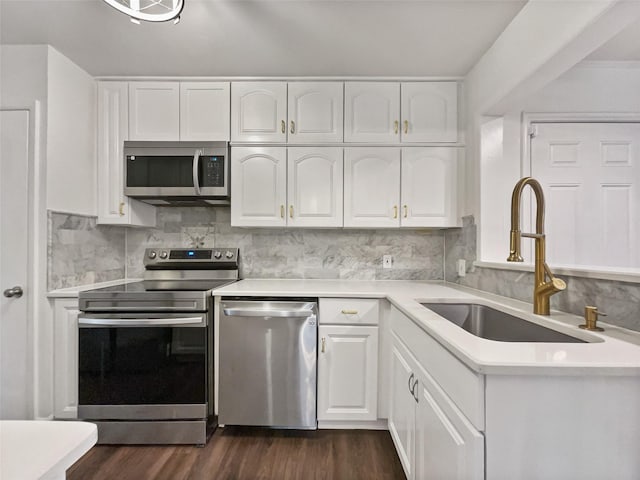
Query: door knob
x=13, y=292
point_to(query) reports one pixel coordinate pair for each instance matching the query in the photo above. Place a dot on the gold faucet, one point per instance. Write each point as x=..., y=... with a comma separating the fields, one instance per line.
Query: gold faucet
x=543, y=289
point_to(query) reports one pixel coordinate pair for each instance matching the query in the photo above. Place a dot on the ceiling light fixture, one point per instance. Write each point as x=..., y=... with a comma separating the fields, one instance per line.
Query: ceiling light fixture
x=149, y=10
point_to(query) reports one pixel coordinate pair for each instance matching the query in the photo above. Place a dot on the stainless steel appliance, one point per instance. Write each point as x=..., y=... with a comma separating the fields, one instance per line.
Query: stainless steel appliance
x=267, y=357
x=177, y=173
x=146, y=349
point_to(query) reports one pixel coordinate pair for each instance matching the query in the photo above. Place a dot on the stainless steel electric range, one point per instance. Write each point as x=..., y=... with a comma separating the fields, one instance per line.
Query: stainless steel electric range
x=146, y=349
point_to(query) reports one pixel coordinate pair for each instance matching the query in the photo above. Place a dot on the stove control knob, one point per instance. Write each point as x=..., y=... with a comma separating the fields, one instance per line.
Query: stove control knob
x=152, y=254
x=229, y=254
x=163, y=255
x=217, y=254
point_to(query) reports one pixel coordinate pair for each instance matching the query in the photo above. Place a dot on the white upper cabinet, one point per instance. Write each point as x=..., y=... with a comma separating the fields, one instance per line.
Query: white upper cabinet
x=372, y=112
x=174, y=111
x=154, y=109
x=113, y=207
x=411, y=112
x=314, y=190
x=259, y=112
x=258, y=183
x=429, y=112
x=371, y=187
x=315, y=112
x=204, y=111
x=428, y=187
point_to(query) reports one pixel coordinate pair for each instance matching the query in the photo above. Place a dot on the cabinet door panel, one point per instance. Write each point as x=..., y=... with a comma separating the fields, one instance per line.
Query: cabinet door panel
x=315, y=112
x=258, y=183
x=65, y=358
x=447, y=445
x=114, y=208
x=402, y=408
x=429, y=112
x=204, y=111
x=259, y=112
x=429, y=187
x=347, y=373
x=315, y=187
x=154, y=109
x=371, y=187
x=372, y=112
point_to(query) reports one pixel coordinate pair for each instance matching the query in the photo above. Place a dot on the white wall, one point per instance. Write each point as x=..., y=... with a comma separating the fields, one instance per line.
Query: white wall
x=71, y=145
x=587, y=88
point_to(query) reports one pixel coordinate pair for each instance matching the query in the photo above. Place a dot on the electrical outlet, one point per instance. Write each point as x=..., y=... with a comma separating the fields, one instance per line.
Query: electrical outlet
x=462, y=267
x=387, y=261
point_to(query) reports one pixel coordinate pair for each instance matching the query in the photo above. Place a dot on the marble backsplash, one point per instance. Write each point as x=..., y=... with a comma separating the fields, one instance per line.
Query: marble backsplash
x=79, y=252
x=293, y=253
x=620, y=300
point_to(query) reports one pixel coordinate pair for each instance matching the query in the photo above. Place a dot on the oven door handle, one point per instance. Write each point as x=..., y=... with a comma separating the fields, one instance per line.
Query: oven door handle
x=257, y=312
x=139, y=322
x=196, y=165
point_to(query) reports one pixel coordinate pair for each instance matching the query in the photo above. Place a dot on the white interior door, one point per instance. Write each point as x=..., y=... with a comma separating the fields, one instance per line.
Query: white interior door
x=14, y=235
x=591, y=179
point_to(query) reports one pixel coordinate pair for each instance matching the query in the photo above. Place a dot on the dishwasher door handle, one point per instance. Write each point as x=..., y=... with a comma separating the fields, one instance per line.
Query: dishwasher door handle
x=263, y=312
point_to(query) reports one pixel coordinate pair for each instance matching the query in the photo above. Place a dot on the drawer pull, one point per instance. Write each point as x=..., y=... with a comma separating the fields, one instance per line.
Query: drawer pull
x=323, y=344
x=410, y=386
x=415, y=391
x=349, y=312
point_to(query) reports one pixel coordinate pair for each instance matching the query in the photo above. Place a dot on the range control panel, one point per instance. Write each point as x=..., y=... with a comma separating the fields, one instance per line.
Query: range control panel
x=191, y=257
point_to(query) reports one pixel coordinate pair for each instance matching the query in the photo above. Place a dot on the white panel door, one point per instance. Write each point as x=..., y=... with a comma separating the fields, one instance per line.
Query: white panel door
x=314, y=187
x=429, y=112
x=65, y=358
x=372, y=112
x=205, y=111
x=371, y=187
x=429, y=187
x=114, y=208
x=591, y=179
x=258, y=183
x=447, y=446
x=15, y=203
x=259, y=112
x=315, y=112
x=402, y=410
x=348, y=373
x=154, y=111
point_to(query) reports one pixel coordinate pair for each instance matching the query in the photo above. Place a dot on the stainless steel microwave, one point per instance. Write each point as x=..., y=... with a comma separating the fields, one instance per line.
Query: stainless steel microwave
x=177, y=173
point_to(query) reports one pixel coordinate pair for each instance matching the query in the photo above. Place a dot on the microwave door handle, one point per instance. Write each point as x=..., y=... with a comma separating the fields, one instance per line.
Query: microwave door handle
x=196, y=164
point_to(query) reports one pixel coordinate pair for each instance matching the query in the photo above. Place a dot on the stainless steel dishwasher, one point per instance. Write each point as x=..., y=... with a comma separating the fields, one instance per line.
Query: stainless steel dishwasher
x=267, y=363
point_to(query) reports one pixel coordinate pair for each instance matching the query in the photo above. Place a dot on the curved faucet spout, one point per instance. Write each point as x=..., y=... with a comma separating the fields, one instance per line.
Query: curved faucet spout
x=542, y=289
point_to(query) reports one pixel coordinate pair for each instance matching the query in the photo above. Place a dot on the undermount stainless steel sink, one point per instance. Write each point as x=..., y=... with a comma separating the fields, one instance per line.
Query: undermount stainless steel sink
x=492, y=324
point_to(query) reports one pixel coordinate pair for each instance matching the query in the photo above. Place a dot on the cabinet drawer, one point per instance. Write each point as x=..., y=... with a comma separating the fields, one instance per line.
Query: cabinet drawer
x=348, y=311
x=463, y=386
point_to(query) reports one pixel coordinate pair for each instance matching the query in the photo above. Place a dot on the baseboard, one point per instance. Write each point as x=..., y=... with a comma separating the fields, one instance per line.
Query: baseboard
x=380, y=424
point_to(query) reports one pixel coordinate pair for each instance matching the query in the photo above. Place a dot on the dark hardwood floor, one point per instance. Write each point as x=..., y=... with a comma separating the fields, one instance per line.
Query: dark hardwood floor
x=235, y=453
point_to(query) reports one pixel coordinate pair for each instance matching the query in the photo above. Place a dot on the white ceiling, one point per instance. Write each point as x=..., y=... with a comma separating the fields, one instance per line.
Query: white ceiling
x=623, y=47
x=267, y=37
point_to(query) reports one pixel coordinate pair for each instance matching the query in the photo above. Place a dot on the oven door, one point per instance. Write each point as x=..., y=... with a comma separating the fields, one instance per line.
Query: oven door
x=144, y=367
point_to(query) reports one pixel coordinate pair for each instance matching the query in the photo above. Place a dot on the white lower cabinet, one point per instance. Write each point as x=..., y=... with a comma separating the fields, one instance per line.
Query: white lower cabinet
x=65, y=357
x=434, y=440
x=348, y=372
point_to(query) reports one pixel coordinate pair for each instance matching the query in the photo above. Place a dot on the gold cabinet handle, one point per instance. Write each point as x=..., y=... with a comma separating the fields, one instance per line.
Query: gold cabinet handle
x=121, y=209
x=290, y=211
x=283, y=126
x=406, y=126
x=323, y=344
x=293, y=127
x=395, y=127
x=395, y=211
x=281, y=211
x=406, y=211
x=349, y=312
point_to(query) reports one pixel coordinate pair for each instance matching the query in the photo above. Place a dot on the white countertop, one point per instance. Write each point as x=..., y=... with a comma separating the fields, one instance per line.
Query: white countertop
x=616, y=351
x=73, y=292
x=31, y=449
